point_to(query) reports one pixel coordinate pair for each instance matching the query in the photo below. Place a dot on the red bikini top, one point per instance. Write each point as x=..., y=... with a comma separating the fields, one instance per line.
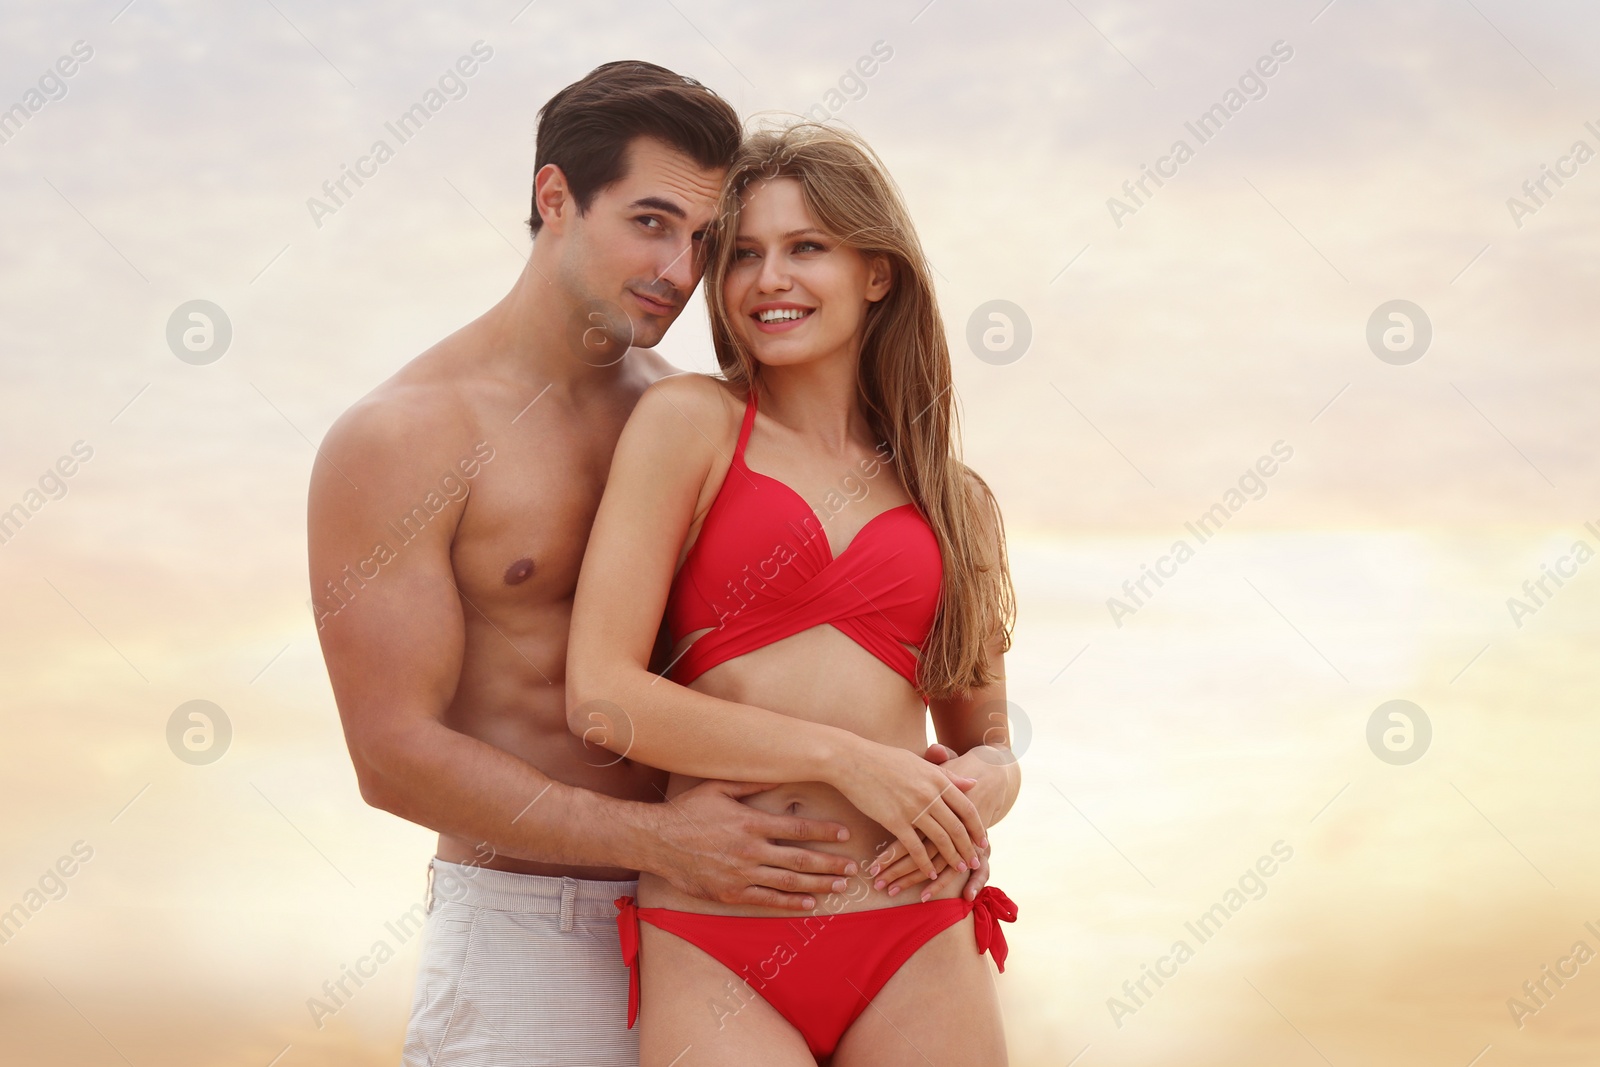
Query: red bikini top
x=762, y=569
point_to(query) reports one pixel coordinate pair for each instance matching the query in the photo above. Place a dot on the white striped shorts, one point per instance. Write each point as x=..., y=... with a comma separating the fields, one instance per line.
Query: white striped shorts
x=520, y=969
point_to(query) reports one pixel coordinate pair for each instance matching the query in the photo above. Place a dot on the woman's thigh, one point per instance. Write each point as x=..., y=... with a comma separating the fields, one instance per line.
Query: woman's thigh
x=694, y=1011
x=940, y=1008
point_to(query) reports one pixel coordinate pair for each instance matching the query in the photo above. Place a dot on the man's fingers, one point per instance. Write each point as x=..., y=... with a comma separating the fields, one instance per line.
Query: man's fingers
x=771, y=898
x=790, y=828
x=807, y=860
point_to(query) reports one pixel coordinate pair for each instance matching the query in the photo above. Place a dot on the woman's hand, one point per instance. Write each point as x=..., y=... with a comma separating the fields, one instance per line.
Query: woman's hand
x=914, y=799
x=902, y=874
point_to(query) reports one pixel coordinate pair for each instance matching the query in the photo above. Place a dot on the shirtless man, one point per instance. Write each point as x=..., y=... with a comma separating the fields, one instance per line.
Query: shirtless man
x=448, y=514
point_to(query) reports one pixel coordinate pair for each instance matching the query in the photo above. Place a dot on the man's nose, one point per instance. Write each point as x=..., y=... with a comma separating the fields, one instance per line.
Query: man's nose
x=683, y=270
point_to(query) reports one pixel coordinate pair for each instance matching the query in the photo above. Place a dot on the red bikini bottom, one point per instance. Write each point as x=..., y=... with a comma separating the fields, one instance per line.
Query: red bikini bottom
x=819, y=971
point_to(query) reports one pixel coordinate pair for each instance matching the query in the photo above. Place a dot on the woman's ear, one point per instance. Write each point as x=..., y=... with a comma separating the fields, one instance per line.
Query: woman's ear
x=880, y=278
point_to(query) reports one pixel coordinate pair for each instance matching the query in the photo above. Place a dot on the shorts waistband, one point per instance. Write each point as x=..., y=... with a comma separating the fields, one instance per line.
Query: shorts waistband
x=482, y=887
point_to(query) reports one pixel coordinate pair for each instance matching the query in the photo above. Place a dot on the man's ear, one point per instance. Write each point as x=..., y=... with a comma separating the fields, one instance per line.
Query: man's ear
x=552, y=197
x=880, y=278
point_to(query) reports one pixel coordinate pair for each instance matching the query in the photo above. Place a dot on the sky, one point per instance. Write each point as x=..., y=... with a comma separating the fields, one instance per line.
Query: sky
x=1180, y=334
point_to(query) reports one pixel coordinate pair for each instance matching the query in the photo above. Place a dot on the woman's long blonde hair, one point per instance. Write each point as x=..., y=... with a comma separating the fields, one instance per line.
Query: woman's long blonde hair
x=903, y=377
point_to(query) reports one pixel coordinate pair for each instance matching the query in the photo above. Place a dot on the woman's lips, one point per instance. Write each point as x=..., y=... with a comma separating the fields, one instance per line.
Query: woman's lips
x=782, y=325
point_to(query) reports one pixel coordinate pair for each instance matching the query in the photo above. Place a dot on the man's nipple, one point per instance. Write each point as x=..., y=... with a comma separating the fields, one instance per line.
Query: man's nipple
x=519, y=572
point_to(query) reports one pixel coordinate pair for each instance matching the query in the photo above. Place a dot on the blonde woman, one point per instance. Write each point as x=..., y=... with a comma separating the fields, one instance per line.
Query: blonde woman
x=832, y=575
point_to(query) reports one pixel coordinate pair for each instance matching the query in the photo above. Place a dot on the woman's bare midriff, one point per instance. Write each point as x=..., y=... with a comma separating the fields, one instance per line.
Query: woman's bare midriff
x=855, y=691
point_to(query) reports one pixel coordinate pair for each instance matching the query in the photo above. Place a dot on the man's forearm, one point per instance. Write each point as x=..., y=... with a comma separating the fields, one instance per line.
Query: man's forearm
x=457, y=785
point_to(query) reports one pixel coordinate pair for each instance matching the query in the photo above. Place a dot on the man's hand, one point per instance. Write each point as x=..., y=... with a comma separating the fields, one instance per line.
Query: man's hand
x=715, y=848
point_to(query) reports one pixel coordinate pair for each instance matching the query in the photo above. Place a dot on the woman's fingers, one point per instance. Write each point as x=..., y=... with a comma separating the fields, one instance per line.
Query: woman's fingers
x=943, y=882
x=949, y=818
x=913, y=846
x=905, y=871
x=965, y=810
x=937, y=824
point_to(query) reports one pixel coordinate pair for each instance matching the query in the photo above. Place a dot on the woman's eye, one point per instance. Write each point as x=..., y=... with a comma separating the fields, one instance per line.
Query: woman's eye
x=808, y=246
x=744, y=253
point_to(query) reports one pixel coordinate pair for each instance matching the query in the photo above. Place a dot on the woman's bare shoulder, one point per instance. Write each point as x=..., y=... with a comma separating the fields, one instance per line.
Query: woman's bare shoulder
x=709, y=405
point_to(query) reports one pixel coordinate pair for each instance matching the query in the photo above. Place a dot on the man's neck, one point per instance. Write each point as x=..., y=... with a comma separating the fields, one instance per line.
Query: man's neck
x=532, y=332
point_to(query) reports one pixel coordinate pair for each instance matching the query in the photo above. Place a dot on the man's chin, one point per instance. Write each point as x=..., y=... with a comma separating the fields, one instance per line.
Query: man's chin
x=648, y=334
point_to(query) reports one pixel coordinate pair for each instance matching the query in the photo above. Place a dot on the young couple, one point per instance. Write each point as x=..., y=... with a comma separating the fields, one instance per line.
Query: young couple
x=653, y=651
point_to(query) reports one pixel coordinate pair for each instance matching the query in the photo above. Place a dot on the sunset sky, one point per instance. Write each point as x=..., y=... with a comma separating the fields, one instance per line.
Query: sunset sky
x=1180, y=332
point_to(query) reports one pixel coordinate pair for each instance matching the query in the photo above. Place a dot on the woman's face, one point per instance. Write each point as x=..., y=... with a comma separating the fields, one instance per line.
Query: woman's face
x=796, y=294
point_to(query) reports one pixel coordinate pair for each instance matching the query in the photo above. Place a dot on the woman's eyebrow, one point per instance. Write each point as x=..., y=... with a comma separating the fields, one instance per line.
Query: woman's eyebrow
x=787, y=236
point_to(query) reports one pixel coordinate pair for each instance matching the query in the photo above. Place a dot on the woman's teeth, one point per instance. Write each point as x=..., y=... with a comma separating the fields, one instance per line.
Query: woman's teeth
x=782, y=314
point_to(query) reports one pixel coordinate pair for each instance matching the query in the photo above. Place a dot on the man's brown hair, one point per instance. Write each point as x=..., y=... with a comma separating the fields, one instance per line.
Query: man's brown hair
x=585, y=129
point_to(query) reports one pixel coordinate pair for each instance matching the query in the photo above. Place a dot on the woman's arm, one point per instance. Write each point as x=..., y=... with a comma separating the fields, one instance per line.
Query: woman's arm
x=678, y=430
x=976, y=726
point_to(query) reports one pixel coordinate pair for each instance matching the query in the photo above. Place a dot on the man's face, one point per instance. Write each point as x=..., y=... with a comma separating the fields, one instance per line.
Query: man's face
x=634, y=258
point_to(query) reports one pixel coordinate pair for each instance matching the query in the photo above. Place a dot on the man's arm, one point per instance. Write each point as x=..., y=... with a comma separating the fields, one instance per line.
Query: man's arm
x=393, y=638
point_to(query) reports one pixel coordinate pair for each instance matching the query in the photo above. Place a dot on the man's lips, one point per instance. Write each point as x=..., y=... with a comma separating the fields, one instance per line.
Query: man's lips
x=654, y=306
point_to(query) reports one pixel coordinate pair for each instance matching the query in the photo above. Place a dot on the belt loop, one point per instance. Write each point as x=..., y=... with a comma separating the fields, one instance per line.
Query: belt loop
x=569, y=894
x=427, y=894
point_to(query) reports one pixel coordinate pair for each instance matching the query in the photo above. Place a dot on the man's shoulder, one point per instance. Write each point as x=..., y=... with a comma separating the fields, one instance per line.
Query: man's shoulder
x=413, y=413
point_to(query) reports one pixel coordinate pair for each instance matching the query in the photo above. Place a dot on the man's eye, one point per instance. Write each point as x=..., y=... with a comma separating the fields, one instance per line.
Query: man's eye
x=650, y=221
